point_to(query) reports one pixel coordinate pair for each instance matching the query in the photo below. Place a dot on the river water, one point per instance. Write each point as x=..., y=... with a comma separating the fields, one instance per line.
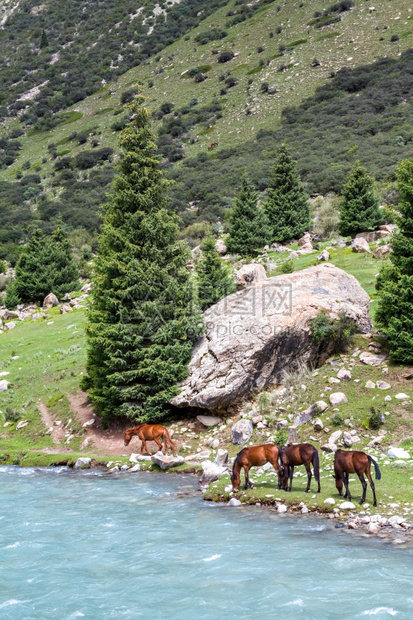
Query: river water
x=96, y=546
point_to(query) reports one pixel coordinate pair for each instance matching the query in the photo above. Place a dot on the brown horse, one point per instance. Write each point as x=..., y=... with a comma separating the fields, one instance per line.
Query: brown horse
x=299, y=454
x=354, y=462
x=251, y=457
x=150, y=432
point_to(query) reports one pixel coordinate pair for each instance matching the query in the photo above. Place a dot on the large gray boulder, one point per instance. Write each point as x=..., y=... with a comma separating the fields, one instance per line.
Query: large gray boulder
x=166, y=461
x=241, y=432
x=255, y=334
x=310, y=412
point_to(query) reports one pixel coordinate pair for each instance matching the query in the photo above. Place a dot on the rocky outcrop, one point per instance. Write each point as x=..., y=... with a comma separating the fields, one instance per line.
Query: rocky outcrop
x=50, y=301
x=250, y=275
x=241, y=432
x=253, y=335
x=359, y=244
x=220, y=247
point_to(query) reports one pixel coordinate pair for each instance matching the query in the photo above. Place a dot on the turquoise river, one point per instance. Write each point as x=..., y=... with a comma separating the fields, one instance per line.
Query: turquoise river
x=97, y=546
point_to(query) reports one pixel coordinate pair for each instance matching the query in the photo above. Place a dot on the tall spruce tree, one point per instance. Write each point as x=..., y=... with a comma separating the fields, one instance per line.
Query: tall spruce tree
x=395, y=282
x=287, y=206
x=45, y=266
x=215, y=280
x=359, y=210
x=249, y=228
x=144, y=320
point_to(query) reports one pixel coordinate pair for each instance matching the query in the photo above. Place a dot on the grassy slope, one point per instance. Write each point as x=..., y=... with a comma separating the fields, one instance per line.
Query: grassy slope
x=353, y=41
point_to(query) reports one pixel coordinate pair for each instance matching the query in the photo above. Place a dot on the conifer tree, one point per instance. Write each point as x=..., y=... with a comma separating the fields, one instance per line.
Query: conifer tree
x=249, y=229
x=44, y=41
x=395, y=282
x=143, y=321
x=359, y=210
x=287, y=206
x=46, y=266
x=215, y=280
x=12, y=299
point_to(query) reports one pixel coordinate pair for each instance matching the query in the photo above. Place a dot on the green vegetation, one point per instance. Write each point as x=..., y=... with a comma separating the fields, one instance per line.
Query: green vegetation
x=249, y=228
x=214, y=278
x=143, y=321
x=395, y=283
x=287, y=207
x=45, y=266
x=359, y=210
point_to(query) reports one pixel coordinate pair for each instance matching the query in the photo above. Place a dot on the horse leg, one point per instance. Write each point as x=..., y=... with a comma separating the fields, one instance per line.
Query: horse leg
x=373, y=488
x=364, y=485
x=144, y=446
x=308, y=469
x=248, y=482
x=159, y=443
x=345, y=479
x=290, y=476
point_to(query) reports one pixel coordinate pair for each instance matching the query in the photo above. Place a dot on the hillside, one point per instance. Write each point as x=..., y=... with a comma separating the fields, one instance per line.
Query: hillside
x=300, y=76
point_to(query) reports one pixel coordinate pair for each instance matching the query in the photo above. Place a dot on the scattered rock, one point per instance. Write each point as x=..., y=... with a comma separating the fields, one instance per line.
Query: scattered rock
x=318, y=425
x=344, y=375
x=334, y=380
x=211, y=472
x=241, y=432
x=250, y=274
x=22, y=424
x=329, y=501
x=89, y=422
x=234, y=502
x=209, y=420
x=335, y=436
x=166, y=461
x=135, y=468
x=309, y=413
x=360, y=245
x=370, y=385
x=221, y=458
x=86, y=288
x=325, y=255
x=4, y=374
x=382, y=385
x=402, y=396
x=282, y=508
x=398, y=453
x=198, y=456
x=65, y=308
x=305, y=239
x=338, y=398
x=373, y=528
x=371, y=359
x=381, y=251
x=10, y=325
x=4, y=385
x=347, y=506
x=220, y=247
x=39, y=315
x=350, y=439
x=329, y=447
x=82, y=462
x=50, y=301
x=133, y=458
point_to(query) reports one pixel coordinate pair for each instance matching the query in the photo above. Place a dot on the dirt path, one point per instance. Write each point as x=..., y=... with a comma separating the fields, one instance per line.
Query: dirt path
x=107, y=441
x=58, y=432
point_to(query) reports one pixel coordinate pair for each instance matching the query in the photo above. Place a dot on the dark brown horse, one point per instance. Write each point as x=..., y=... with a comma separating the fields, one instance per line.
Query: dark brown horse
x=354, y=462
x=299, y=454
x=251, y=457
x=150, y=432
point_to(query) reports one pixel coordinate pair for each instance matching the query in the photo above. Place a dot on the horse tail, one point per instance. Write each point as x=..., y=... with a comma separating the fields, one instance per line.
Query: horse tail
x=316, y=464
x=376, y=467
x=280, y=456
x=172, y=443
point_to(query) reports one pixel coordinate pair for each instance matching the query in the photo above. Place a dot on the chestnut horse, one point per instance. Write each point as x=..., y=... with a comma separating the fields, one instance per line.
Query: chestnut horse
x=251, y=457
x=299, y=454
x=354, y=462
x=150, y=432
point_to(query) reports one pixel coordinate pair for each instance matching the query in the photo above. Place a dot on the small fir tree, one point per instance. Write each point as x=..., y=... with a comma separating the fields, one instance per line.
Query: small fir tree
x=12, y=299
x=287, y=206
x=46, y=266
x=249, y=229
x=44, y=41
x=215, y=280
x=144, y=320
x=395, y=282
x=359, y=210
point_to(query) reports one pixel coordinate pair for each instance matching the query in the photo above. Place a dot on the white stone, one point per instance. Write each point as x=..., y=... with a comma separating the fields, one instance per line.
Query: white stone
x=398, y=453
x=370, y=385
x=22, y=424
x=133, y=458
x=4, y=385
x=318, y=425
x=135, y=468
x=402, y=396
x=282, y=508
x=360, y=245
x=241, y=432
x=338, y=398
x=382, y=385
x=329, y=447
x=89, y=422
x=334, y=380
x=10, y=325
x=209, y=420
x=344, y=374
x=50, y=301
x=325, y=255
x=250, y=275
x=347, y=506
x=304, y=510
x=211, y=472
x=370, y=359
x=234, y=502
x=166, y=461
x=330, y=501
x=334, y=436
x=82, y=462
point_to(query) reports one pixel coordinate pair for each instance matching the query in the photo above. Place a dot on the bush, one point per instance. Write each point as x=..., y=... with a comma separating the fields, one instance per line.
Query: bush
x=375, y=419
x=394, y=38
x=337, y=419
x=339, y=333
x=11, y=415
x=225, y=56
x=281, y=437
x=287, y=266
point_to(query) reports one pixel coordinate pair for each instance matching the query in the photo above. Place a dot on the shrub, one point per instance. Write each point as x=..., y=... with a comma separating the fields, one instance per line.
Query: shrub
x=127, y=96
x=326, y=331
x=11, y=415
x=281, y=437
x=225, y=56
x=375, y=419
x=394, y=38
x=337, y=419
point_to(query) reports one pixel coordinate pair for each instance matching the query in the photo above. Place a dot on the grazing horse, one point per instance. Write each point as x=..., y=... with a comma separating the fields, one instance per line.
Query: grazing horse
x=251, y=457
x=299, y=454
x=354, y=462
x=212, y=145
x=150, y=432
